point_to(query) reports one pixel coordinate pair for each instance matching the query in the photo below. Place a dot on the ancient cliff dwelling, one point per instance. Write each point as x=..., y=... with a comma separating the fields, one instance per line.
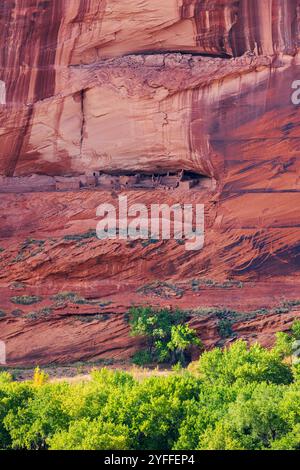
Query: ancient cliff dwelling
x=96, y=179
x=167, y=102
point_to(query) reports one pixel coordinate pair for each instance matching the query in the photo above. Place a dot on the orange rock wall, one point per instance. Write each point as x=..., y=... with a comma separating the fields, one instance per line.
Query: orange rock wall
x=147, y=86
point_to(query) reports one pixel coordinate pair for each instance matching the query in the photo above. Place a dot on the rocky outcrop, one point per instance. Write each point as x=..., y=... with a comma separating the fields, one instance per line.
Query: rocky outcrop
x=61, y=94
x=43, y=37
x=146, y=87
x=152, y=103
x=70, y=328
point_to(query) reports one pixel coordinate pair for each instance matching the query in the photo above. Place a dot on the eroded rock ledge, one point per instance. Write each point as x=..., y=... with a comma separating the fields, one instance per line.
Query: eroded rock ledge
x=61, y=93
x=154, y=104
x=41, y=37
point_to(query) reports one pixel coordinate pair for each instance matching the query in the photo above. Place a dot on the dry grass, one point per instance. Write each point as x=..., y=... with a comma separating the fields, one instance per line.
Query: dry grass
x=139, y=373
x=81, y=373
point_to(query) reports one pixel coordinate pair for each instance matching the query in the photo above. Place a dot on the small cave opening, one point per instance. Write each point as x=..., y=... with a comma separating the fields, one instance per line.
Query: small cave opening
x=192, y=176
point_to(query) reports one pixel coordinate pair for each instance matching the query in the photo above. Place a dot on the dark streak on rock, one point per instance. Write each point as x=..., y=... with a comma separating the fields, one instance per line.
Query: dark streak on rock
x=82, y=97
x=20, y=144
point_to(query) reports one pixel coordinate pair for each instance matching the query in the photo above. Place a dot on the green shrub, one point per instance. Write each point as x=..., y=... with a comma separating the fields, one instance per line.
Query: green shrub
x=76, y=299
x=238, y=362
x=253, y=422
x=44, y=312
x=142, y=358
x=5, y=378
x=225, y=328
x=17, y=313
x=91, y=435
x=26, y=300
x=168, y=339
x=81, y=236
x=296, y=330
x=182, y=338
x=161, y=289
x=63, y=296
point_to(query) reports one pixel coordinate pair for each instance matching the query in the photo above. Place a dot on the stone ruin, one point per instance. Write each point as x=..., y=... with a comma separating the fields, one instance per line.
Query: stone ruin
x=67, y=184
x=181, y=180
x=19, y=184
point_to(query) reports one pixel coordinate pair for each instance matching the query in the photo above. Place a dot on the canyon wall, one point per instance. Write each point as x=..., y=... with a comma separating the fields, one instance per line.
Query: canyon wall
x=147, y=86
x=61, y=93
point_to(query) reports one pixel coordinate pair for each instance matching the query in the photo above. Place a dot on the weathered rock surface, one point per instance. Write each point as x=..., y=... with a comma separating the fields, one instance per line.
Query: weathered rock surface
x=146, y=86
x=61, y=97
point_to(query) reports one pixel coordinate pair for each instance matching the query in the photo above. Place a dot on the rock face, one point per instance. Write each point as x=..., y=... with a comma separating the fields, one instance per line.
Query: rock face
x=61, y=94
x=146, y=87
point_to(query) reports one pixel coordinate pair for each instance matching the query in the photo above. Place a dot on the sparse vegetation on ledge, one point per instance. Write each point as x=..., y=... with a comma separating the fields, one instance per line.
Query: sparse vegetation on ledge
x=81, y=236
x=165, y=290
x=26, y=300
x=64, y=297
x=228, y=284
x=42, y=313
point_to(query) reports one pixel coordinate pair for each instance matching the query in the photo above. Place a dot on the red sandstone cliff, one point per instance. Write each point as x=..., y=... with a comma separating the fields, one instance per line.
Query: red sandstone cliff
x=147, y=86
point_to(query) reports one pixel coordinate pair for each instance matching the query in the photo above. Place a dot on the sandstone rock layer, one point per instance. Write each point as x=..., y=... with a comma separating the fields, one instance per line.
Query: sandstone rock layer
x=147, y=87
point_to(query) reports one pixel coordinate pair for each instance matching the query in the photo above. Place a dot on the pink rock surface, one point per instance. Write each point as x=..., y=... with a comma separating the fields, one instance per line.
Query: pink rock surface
x=146, y=86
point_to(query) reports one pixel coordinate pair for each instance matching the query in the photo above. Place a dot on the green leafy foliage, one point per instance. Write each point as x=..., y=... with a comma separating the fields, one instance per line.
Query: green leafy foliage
x=182, y=338
x=239, y=398
x=168, y=338
x=254, y=364
x=91, y=435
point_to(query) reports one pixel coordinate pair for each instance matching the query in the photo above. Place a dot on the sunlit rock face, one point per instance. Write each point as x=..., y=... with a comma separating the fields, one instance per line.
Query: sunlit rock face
x=145, y=113
x=61, y=91
x=43, y=38
x=70, y=104
x=147, y=86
